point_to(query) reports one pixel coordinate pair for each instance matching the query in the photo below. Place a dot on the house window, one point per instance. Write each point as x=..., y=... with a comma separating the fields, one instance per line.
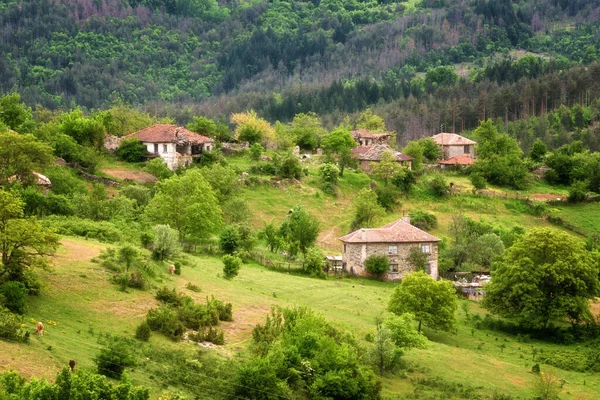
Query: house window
x=393, y=250
x=467, y=149
x=426, y=248
x=164, y=148
x=156, y=148
x=393, y=267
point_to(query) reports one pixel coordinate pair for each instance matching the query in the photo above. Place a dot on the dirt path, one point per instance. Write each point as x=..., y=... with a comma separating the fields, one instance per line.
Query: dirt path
x=136, y=176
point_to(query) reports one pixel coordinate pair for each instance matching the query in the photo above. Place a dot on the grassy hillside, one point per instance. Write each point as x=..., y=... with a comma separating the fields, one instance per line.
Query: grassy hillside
x=84, y=307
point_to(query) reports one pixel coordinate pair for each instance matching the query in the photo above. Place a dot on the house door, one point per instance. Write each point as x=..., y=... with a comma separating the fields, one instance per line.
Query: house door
x=156, y=148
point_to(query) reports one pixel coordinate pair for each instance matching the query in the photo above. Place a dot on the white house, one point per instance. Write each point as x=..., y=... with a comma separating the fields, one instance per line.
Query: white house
x=176, y=145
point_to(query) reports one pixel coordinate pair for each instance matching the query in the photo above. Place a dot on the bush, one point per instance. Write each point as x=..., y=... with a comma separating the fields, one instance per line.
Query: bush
x=255, y=151
x=289, y=166
x=377, y=265
x=577, y=192
x=329, y=174
x=438, y=186
x=131, y=150
x=114, y=358
x=10, y=326
x=177, y=265
x=134, y=279
x=423, y=220
x=313, y=262
x=158, y=168
x=12, y=296
x=143, y=332
x=166, y=243
x=165, y=321
x=478, y=181
x=387, y=197
x=169, y=297
x=231, y=266
x=230, y=239
x=73, y=226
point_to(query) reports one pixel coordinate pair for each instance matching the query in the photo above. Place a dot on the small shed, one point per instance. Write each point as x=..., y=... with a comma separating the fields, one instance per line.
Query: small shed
x=334, y=263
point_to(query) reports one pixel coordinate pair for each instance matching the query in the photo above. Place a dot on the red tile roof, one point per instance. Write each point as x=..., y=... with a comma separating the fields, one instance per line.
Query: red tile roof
x=163, y=133
x=373, y=153
x=398, y=231
x=458, y=160
x=451, y=139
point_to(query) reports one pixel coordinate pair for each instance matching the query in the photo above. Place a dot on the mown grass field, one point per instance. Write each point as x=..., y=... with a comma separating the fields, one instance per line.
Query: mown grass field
x=84, y=305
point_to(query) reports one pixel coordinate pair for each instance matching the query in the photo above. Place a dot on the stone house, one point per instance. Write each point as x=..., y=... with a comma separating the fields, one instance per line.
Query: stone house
x=176, y=145
x=395, y=241
x=366, y=155
x=366, y=138
x=453, y=145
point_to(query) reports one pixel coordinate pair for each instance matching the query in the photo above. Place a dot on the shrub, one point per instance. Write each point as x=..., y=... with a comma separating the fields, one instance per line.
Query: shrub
x=169, y=297
x=417, y=258
x=73, y=226
x=134, y=279
x=10, y=326
x=377, y=265
x=255, y=151
x=177, y=265
x=192, y=287
x=478, y=181
x=577, y=192
x=387, y=197
x=166, y=243
x=230, y=239
x=438, y=185
x=12, y=295
x=329, y=174
x=423, y=220
x=143, y=332
x=131, y=150
x=158, y=168
x=313, y=262
x=289, y=166
x=165, y=321
x=231, y=266
x=114, y=358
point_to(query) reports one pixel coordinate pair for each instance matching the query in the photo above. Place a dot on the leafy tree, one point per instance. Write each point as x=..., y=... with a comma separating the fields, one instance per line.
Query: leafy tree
x=384, y=353
x=313, y=262
x=404, y=180
x=307, y=130
x=338, y=144
x=121, y=119
x=544, y=277
x=377, y=265
x=87, y=131
x=366, y=209
x=485, y=249
x=538, y=150
x=272, y=237
x=289, y=166
x=223, y=180
x=15, y=114
x=431, y=302
x=112, y=359
x=577, y=192
x=253, y=129
x=131, y=150
x=129, y=255
x=12, y=296
x=187, y=203
x=300, y=229
x=23, y=241
x=20, y=156
x=329, y=174
x=203, y=126
x=230, y=239
x=231, y=266
x=440, y=76
x=477, y=180
x=404, y=332
x=431, y=150
x=387, y=168
x=143, y=332
x=416, y=151
x=369, y=121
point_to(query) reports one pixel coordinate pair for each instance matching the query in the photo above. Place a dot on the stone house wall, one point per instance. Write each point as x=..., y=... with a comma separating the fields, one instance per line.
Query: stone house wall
x=458, y=150
x=354, y=255
x=168, y=153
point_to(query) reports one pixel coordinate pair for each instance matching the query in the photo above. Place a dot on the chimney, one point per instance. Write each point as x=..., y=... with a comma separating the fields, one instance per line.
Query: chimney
x=363, y=235
x=406, y=218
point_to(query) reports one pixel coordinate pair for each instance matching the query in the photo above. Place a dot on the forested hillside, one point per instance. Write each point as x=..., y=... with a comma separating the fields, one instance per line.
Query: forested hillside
x=451, y=62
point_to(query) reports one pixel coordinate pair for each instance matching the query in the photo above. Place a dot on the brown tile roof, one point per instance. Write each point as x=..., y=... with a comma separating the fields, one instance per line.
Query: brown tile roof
x=163, y=133
x=373, y=153
x=458, y=160
x=363, y=133
x=398, y=231
x=451, y=139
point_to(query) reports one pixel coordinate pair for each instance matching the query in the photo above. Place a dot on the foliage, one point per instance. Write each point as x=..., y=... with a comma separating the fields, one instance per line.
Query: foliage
x=100, y=230
x=416, y=151
x=255, y=151
x=288, y=166
x=15, y=114
x=300, y=230
x=187, y=203
x=384, y=354
x=231, y=266
x=253, y=129
x=477, y=180
x=404, y=180
x=313, y=262
x=329, y=176
x=131, y=150
x=307, y=130
x=438, y=186
x=87, y=131
x=20, y=156
x=114, y=357
x=577, y=192
x=203, y=126
x=143, y=332
x=423, y=220
x=485, y=249
x=338, y=144
x=12, y=296
x=230, y=239
x=546, y=387
x=223, y=180
x=387, y=168
x=432, y=302
x=24, y=242
x=387, y=197
x=538, y=150
x=377, y=265
x=369, y=121
x=158, y=168
x=271, y=235
x=366, y=209
x=11, y=326
x=417, y=258
x=403, y=331
x=554, y=269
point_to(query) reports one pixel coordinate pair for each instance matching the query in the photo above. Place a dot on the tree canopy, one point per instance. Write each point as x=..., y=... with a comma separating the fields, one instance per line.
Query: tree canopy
x=543, y=278
x=21, y=155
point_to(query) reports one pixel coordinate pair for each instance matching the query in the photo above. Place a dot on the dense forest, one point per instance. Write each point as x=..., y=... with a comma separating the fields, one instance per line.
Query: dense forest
x=424, y=63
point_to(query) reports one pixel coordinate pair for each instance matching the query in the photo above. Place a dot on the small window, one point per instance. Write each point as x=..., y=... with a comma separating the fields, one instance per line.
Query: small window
x=426, y=248
x=393, y=250
x=164, y=148
x=156, y=148
x=467, y=149
x=428, y=269
x=393, y=267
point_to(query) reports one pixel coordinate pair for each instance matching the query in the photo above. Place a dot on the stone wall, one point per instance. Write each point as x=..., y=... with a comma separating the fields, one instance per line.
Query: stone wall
x=453, y=151
x=354, y=255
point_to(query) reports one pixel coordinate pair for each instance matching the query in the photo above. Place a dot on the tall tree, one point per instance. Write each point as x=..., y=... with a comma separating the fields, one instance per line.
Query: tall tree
x=300, y=229
x=544, y=277
x=188, y=204
x=366, y=209
x=338, y=144
x=21, y=155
